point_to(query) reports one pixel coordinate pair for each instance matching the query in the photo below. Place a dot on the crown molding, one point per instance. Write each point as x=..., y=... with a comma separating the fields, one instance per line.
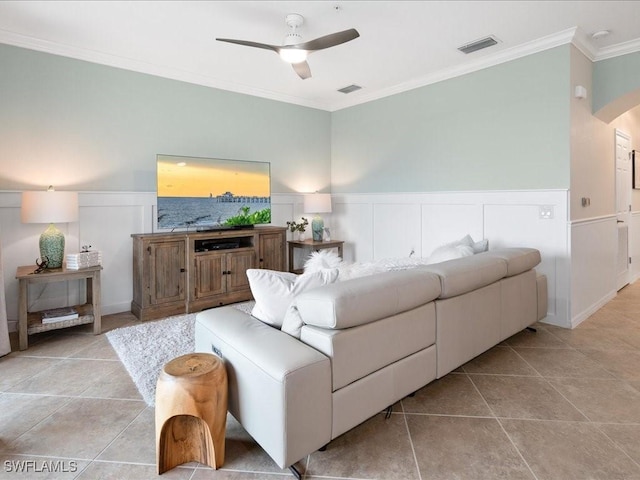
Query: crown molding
x=101, y=58
x=625, y=48
x=583, y=43
x=503, y=56
x=572, y=35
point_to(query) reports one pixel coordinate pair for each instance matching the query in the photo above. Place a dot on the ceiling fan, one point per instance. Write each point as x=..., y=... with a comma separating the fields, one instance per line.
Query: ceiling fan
x=294, y=50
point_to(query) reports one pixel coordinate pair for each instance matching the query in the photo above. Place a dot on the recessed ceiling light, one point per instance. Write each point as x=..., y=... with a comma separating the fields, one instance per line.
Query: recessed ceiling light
x=600, y=34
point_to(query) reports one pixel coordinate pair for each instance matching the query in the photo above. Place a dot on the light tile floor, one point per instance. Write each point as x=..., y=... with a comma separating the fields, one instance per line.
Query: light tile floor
x=556, y=404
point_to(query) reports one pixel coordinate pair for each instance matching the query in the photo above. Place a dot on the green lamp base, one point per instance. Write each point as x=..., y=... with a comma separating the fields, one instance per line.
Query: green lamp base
x=317, y=228
x=52, y=246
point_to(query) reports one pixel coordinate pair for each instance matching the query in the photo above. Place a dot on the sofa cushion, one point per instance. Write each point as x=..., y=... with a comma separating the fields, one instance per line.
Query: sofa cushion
x=466, y=274
x=367, y=299
x=518, y=259
x=359, y=351
x=274, y=291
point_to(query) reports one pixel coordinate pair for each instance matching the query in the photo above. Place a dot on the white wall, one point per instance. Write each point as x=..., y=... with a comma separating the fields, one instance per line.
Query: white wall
x=376, y=226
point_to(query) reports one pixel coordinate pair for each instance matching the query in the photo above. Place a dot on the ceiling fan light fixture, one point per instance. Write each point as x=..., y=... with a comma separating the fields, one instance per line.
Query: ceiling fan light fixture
x=293, y=55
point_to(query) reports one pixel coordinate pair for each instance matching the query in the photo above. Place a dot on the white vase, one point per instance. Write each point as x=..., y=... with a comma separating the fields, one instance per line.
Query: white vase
x=302, y=236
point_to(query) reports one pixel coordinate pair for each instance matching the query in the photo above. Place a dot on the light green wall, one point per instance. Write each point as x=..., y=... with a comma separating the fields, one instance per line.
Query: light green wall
x=504, y=127
x=615, y=78
x=85, y=126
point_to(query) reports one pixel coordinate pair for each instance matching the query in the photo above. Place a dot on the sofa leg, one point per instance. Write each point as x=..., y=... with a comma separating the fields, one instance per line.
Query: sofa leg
x=531, y=329
x=296, y=472
x=388, y=412
x=323, y=449
x=413, y=394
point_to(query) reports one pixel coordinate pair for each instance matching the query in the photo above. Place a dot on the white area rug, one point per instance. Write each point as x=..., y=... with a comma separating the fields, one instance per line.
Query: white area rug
x=144, y=349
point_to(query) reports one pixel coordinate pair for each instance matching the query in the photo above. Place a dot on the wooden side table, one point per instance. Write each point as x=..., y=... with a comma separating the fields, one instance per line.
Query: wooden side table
x=88, y=312
x=310, y=244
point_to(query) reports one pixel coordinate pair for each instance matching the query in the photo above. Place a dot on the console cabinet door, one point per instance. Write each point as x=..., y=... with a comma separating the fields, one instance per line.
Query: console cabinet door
x=272, y=251
x=209, y=275
x=167, y=272
x=237, y=265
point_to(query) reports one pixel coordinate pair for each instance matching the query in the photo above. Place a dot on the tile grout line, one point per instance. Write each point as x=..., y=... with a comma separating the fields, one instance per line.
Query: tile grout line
x=615, y=444
x=546, y=379
x=589, y=420
x=413, y=450
x=495, y=417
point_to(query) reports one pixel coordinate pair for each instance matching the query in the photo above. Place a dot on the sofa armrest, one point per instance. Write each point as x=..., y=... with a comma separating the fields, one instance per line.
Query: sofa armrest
x=279, y=388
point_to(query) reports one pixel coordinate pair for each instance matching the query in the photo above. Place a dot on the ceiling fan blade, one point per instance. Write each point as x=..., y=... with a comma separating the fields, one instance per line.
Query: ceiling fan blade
x=250, y=44
x=302, y=69
x=330, y=40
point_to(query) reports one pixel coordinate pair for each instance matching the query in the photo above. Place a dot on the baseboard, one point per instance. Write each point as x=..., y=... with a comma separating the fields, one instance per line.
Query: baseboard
x=556, y=321
x=116, y=308
x=578, y=319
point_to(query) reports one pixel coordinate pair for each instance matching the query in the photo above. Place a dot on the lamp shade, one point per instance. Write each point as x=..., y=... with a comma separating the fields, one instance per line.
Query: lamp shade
x=49, y=207
x=317, y=203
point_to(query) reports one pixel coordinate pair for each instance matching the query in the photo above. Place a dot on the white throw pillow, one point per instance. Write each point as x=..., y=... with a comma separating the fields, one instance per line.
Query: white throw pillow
x=322, y=260
x=274, y=291
x=447, y=252
x=292, y=323
x=481, y=246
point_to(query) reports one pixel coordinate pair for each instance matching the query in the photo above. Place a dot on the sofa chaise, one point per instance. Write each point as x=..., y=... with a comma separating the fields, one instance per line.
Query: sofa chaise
x=366, y=343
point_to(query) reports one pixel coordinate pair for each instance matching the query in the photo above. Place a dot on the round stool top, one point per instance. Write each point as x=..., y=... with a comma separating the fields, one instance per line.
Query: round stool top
x=192, y=365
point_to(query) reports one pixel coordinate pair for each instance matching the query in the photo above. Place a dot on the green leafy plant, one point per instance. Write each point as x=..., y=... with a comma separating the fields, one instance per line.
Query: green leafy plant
x=298, y=227
x=246, y=218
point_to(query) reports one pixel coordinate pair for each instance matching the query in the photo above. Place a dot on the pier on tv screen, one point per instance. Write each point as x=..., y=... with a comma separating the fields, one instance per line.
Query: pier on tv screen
x=211, y=192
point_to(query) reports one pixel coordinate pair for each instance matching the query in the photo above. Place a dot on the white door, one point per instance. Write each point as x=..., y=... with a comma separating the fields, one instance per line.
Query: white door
x=623, y=206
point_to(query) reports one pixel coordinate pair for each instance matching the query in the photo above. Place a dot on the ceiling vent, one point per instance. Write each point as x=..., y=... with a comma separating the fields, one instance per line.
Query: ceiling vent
x=350, y=88
x=478, y=45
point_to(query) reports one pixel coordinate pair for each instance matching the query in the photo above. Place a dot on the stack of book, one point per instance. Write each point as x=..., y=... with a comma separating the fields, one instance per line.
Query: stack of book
x=76, y=261
x=59, y=315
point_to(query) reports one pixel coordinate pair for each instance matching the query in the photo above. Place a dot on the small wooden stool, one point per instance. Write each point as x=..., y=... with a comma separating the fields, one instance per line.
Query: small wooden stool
x=191, y=411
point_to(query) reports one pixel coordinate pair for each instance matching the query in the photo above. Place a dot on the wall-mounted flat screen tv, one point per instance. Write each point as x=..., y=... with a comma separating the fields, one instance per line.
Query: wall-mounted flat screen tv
x=203, y=193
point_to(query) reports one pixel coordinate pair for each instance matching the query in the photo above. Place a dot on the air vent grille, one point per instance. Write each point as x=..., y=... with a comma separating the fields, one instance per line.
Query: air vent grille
x=350, y=88
x=478, y=45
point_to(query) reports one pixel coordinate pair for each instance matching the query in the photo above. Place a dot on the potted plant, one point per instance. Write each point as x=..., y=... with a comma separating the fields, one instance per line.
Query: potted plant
x=298, y=229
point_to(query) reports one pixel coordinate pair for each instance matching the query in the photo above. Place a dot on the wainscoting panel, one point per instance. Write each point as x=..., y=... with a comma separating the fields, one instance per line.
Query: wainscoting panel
x=423, y=221
x=442, y=223
x=634, y=245
x=352, y=222
x=521, y=226
x=403, y=222
x=577, y=258
x=594, y=244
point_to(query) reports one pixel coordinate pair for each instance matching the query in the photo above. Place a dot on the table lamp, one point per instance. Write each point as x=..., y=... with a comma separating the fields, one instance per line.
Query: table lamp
x=50, y=207
x=317, y=203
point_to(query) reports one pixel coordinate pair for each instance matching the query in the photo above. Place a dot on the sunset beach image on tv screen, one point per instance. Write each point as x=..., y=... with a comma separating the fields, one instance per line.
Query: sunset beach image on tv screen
x=211, y=192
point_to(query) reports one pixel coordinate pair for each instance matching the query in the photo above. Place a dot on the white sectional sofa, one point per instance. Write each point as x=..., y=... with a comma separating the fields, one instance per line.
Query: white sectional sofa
x=366, y=343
